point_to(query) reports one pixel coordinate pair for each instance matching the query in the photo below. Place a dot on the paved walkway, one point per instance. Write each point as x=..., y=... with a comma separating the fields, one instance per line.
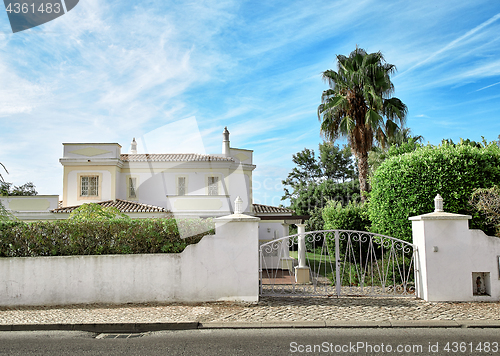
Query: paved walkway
x=298, y=310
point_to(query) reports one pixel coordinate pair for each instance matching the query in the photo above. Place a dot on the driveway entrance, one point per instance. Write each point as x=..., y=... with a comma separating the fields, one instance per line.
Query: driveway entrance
x=335, y=263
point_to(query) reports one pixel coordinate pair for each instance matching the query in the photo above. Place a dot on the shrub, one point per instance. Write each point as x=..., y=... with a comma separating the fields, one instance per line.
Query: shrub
x=315, y=221
x=487, y=202
x=112, y=236
x=5, y=215
x=406, y=185
x=353, y=216
x=314, y=196
x=96, y=212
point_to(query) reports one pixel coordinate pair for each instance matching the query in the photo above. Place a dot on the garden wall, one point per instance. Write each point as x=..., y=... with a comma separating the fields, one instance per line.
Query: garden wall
x=451, y=258
x=220, y=267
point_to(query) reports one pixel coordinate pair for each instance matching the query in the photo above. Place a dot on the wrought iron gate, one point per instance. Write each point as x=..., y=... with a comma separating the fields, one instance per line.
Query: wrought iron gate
x=337, y=262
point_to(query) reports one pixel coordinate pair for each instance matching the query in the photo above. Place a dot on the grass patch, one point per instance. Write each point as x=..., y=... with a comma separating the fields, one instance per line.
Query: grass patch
x=324, y=266
x=319, y=264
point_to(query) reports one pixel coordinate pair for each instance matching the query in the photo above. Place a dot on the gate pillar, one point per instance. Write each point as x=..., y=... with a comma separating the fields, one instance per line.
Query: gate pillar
x=441, y=264
x=302, y=270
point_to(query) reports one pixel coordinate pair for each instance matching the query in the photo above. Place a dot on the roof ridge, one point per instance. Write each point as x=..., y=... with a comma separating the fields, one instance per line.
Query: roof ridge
x=271, y=206
x=174, y=157
x=120, y=204
x=269, y=209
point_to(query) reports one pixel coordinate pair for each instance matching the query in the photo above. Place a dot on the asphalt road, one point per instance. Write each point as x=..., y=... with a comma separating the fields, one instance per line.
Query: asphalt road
x=221, y=342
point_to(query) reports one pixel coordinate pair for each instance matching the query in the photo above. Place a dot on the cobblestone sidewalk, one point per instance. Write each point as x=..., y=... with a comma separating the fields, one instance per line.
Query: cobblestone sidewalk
x=267, y=310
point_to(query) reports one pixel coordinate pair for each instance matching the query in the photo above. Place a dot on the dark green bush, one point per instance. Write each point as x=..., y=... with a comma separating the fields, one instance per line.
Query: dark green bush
x=406, y=185
x=315, y=195
x=353, y=216
x=115, y=236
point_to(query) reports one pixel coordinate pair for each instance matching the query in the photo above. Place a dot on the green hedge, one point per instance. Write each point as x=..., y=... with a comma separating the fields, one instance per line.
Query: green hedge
x=406, y=185
x=353, y=216
x=116, y=236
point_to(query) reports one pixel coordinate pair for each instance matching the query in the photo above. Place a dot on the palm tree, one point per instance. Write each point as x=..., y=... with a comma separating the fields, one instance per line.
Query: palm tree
x=355, y=105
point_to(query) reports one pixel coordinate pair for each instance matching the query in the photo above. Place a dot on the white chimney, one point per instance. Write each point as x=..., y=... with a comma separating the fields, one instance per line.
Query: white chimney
x=133, y=147
x=225, y=142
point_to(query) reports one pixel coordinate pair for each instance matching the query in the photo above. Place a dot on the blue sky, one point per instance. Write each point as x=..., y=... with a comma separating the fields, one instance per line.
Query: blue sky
x=163, y=70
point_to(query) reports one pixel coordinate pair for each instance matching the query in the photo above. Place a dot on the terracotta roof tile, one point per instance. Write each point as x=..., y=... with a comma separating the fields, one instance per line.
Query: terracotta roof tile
x=267, y=209
x=173, y=157
x=125, y=206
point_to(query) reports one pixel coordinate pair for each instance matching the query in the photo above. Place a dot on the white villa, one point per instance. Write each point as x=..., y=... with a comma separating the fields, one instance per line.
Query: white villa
x=187, y=184
x=155, y=185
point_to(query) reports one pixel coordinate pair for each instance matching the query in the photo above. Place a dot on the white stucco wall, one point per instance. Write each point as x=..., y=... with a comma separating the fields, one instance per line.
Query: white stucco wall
x=34, y=203
x=31, y=208
x=219, y=267
x=270, y=230
x=449, y=253
x=239, y=184
x=73, y=194
x=160, y=189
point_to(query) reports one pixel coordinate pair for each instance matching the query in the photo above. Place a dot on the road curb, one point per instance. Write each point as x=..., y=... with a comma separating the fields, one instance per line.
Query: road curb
x=481, y=323
x=103, y=327
x=146, y=327
x=355, y=324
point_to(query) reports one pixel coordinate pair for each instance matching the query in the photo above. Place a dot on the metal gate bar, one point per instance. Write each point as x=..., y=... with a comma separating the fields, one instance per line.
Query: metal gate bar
x=337, y=262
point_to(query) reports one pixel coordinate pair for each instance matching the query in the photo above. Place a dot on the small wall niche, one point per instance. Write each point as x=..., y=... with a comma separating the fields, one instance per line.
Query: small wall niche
x=481, y=284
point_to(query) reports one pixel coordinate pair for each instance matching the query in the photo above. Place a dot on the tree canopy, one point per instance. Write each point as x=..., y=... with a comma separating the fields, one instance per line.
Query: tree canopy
x=318, y=179
x=332, y=164
x=358, y=100
x=8, y=189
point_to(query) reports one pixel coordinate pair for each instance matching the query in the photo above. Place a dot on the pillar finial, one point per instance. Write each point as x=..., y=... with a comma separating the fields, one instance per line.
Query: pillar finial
x=238, y=205
x=438, y=204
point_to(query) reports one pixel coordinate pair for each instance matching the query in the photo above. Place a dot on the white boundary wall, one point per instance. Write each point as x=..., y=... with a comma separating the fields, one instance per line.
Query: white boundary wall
x=220, y=267
x=450, y=256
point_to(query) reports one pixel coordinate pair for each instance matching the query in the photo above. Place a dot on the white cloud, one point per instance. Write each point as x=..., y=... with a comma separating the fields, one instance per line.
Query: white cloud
x=182, y=136
x=488, y=86
x=20, y=95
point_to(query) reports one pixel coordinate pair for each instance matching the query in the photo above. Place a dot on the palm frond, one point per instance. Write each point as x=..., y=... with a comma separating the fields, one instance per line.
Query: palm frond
x=1, y=178
x=373, y=119
x=395, y=109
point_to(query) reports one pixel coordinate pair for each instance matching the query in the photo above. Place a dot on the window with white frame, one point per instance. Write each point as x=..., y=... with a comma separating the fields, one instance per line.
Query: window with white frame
x=181, y=185
x=89, y=186
x=213, y=185
x=132, y=187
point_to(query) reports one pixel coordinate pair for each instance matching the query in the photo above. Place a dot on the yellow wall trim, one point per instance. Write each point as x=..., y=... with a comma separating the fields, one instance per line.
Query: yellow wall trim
x=29, y=204
x=89, y=151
